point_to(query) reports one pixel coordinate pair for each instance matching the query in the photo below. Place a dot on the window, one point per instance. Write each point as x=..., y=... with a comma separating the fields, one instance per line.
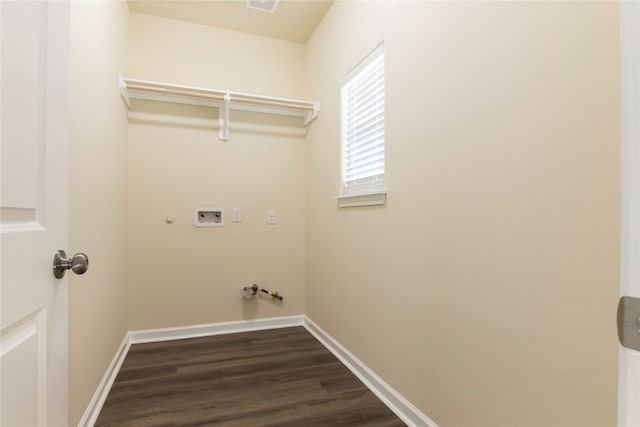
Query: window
x=362, y=97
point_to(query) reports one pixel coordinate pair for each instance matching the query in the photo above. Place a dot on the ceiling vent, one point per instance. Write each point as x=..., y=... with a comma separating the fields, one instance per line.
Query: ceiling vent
x=263, y=5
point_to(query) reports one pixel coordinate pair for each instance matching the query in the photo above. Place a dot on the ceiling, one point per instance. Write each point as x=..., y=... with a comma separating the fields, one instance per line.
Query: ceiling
x=293, y=20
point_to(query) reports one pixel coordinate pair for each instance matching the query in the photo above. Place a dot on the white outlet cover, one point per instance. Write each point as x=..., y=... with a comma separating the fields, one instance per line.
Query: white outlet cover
x=271, y=217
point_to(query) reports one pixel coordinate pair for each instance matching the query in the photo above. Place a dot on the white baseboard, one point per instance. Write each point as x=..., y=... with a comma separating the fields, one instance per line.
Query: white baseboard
x=195, y=331
x=390, y=397
x=387, y=394
x=95, y=405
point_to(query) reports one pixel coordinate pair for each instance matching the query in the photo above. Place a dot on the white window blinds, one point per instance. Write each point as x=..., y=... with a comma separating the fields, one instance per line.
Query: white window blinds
x=362, y=96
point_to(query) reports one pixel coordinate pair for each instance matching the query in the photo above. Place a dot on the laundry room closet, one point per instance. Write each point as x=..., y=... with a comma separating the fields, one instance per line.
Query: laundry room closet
x=475, y=282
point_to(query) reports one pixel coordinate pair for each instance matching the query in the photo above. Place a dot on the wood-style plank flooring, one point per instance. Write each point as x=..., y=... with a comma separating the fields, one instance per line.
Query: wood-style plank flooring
x=280, y=377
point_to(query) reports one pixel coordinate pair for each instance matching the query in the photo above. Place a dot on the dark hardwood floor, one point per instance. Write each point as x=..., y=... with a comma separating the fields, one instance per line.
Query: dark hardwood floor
x=280, y=377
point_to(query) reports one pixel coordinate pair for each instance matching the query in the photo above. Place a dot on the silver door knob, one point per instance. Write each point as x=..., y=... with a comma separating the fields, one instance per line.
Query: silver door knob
x=79, y=263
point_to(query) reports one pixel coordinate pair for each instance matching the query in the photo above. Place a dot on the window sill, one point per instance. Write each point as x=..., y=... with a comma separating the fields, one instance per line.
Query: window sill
x=364, y=199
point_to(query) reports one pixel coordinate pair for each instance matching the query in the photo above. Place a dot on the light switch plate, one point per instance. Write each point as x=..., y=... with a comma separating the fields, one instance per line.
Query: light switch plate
x=236, y=215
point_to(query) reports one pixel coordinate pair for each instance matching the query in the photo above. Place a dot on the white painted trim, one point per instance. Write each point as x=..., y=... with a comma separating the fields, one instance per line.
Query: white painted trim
x=629, y=367
x=629, y=360
x=195, y=331
x=387, y=394
x=95, y=405
x=363, y=199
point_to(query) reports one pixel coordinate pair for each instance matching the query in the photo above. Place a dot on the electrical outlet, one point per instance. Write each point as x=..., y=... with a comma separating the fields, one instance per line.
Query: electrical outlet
x=271, y=217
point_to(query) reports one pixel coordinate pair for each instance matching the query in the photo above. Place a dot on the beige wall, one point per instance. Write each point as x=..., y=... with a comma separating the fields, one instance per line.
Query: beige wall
x=97, y=183
x=180, y=274
x=485, y=290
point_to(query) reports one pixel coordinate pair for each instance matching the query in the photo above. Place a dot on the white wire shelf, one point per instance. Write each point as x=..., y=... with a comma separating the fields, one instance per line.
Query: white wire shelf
x=224, y=100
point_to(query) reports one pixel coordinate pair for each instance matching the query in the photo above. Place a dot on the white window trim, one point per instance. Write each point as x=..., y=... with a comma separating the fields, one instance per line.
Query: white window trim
x=372, y=195
x=364, y=199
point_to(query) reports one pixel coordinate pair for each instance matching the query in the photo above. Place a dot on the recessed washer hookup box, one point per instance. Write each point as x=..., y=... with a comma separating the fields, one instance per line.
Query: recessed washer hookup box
x=208, y=217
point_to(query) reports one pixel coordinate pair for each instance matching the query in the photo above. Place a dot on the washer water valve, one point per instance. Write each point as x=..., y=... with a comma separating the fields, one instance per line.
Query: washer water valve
x=250, y=291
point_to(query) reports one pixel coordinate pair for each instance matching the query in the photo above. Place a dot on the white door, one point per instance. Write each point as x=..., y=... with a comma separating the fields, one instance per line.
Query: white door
x=33, y=203
x=629, y=360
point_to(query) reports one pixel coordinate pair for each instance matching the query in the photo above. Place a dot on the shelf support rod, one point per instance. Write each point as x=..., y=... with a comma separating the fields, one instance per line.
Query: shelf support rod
x=223, y=118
